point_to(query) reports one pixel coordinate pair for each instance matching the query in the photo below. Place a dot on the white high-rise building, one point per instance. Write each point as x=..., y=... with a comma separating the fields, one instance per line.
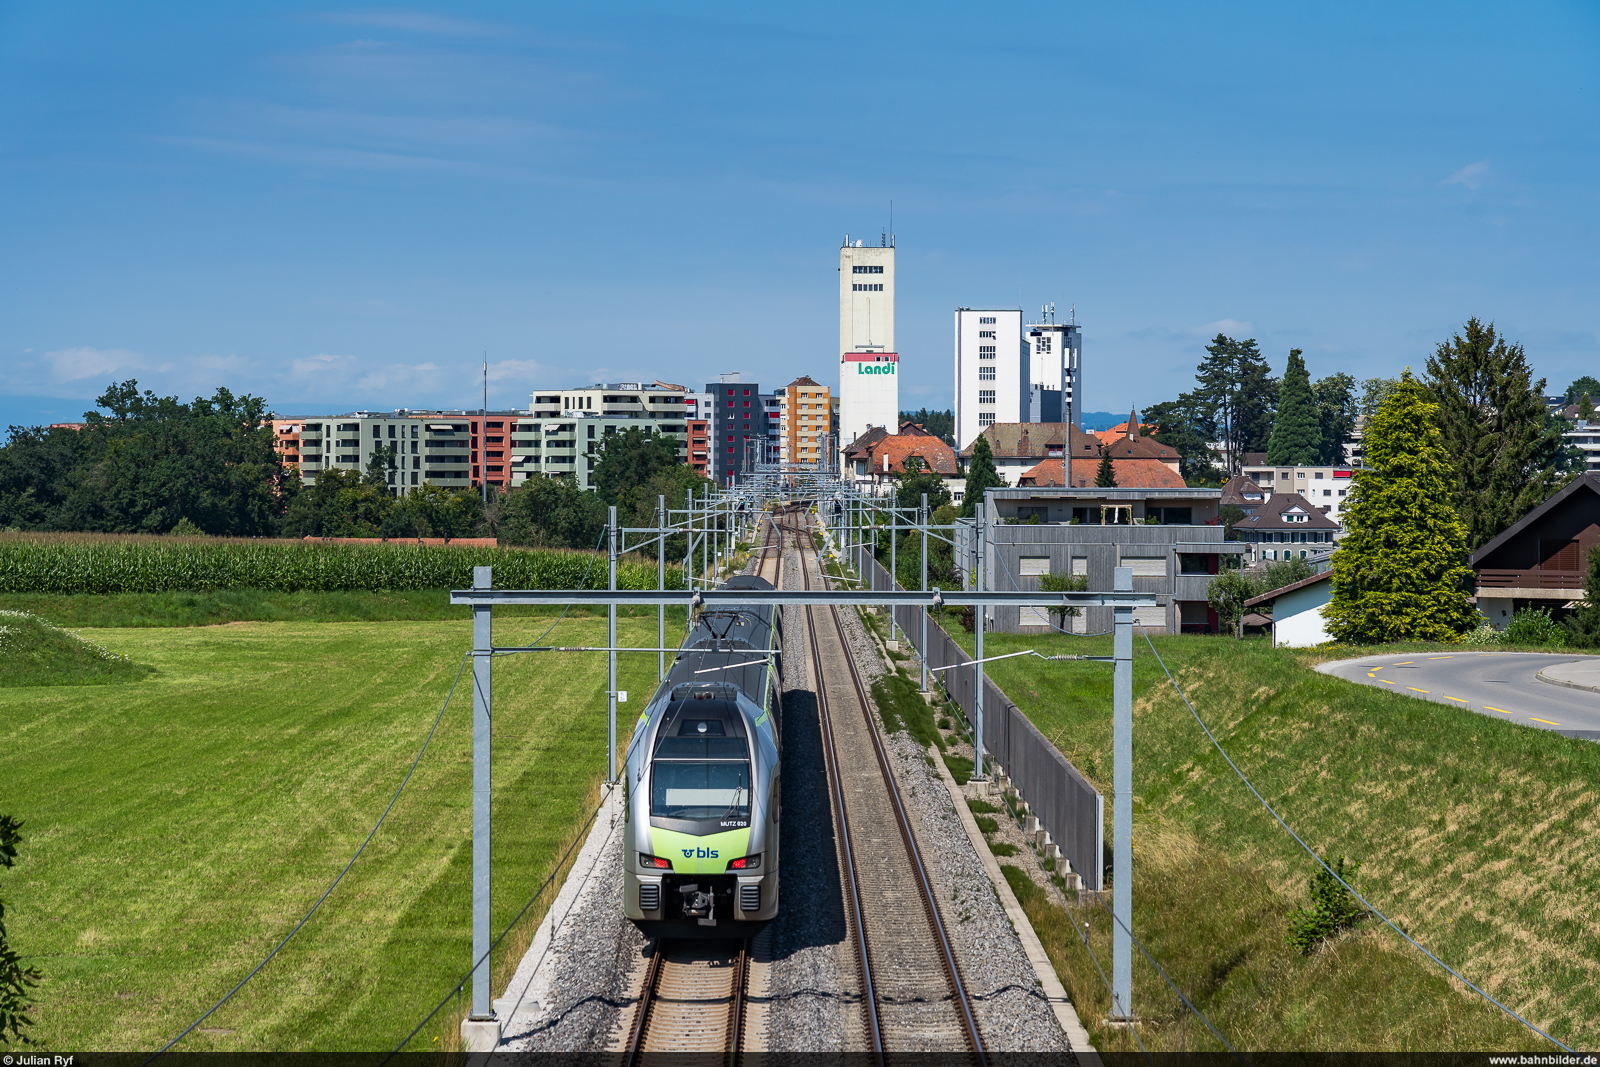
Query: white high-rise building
x=993, y=382
x=1055, y=365
x=869, y=380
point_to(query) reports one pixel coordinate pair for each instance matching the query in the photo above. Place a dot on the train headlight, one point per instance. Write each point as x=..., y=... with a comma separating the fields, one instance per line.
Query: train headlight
x=745, y=863
x=654, y=861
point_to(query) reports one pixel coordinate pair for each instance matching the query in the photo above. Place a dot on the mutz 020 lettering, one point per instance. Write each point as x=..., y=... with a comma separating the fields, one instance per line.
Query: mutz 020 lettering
x=734, y=822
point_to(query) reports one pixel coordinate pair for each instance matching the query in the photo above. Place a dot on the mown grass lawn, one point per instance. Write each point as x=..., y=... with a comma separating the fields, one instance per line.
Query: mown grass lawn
x=1480, y=837
x=177, y=827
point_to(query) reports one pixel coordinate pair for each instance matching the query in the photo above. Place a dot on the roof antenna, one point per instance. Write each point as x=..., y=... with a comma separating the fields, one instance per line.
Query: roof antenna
x=891, y=224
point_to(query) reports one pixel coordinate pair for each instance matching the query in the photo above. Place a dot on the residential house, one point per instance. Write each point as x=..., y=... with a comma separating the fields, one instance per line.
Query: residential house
x=1325, y=488
x=1285, y=525
x=1017, y=447
x=1297, y=620
x=1542, y=559
x=1169, y=537
x=877, y=459
x=1243, y=494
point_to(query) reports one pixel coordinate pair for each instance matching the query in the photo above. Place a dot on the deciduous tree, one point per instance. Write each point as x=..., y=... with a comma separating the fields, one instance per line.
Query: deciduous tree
x=1401, y=572
x=1236, y=385
x=1336, y=414
x=1183, y=426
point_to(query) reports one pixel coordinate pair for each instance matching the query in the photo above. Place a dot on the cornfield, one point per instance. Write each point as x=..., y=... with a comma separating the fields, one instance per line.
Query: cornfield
x=112, y=564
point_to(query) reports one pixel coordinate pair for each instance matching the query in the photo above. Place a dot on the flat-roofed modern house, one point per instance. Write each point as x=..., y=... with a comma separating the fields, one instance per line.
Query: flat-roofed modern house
x=1169, y=538
x=1541, y=560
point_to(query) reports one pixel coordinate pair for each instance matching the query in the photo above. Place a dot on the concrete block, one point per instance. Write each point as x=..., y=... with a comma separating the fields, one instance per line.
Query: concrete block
x=1030, y=825
x=480, y=1035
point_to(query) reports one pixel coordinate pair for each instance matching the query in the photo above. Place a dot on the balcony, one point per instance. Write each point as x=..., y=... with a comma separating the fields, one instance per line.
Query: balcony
x=1535, y=578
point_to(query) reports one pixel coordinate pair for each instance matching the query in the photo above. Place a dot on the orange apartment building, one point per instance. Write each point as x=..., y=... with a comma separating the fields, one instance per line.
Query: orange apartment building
x=807, y=412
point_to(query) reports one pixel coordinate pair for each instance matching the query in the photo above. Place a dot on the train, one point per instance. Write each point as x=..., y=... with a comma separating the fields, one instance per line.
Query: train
x=702, y=793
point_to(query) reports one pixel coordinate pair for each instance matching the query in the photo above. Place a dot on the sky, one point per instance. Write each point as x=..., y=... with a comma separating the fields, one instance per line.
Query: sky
x=338, y=207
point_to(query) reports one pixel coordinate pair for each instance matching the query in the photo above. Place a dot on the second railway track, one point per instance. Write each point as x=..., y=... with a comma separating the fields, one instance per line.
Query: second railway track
x=913, y=999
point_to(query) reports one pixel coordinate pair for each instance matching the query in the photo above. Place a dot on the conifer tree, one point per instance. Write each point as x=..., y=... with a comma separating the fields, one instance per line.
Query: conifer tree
x=1491, y=414
x=1401, y=572
x=981, y=476
x=1106, y=476
x=1296, y=432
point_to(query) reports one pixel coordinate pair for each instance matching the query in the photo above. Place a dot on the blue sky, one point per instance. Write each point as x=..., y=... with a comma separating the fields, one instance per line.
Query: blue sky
x=338, y=207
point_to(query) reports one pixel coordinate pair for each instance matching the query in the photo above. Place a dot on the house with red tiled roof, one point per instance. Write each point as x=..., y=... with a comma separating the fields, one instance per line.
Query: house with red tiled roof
x=878, y=459
x=1137, y=462
x=1019, y=446
x=1120, y=430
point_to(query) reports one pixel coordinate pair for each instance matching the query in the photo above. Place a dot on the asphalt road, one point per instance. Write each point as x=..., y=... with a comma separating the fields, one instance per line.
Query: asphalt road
x=1502, y=685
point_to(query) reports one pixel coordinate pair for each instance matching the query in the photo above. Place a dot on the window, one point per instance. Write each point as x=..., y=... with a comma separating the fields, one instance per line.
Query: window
x=1043, y=344
x=1146, y=566
x=986, y=351
x=986, y=396
x=377, y=431
x=1341, y=492
x=985, y=333
x=1033, y=566
x=1317, y=476
x=985, y=374
x=867, y=287
x=747, y=393
x=866, y=270
x=391, y=432
x=1301, y=474
x=986, y=320
x=1327, y=492
x=985, y=418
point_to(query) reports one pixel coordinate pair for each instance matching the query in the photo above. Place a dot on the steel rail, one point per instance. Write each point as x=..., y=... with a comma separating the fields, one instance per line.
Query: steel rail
x=869, y=999
x=969, y=1022
x=638, y=1047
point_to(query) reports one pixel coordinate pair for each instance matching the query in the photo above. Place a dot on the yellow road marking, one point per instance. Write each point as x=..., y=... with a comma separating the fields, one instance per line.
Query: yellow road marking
x=1547, y=722
x=1502, y=711
x=1441, y=657
x=1371, y=675
x=1380, y=667
x=1414, y=689
x=1458, y=700
x=1407, y=663
x=1385, y=681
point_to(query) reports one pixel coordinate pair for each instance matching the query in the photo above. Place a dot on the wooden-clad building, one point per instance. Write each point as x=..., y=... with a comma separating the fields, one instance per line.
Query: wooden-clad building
x=1542, y=559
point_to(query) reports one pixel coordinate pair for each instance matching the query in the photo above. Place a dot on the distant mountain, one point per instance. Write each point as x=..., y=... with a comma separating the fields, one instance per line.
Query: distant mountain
x=1101, y=420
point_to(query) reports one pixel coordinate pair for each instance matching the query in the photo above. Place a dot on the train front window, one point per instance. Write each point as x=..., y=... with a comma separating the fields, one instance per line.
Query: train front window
x=695, y=790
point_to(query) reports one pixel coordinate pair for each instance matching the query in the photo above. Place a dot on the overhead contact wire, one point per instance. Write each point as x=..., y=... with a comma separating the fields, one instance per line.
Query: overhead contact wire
x=1331, y=872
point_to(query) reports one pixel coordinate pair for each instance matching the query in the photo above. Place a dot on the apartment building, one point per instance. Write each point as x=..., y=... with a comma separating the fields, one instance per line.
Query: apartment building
x=992, y=379
x=454, y=449
x=805, y=419
x=743, y=426
x=1325, y=488
x=1168, y=537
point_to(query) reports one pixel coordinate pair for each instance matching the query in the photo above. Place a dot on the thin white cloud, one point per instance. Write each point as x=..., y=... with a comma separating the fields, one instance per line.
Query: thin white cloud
x=1231, y=327
x=86, y=361
x=1472, y=175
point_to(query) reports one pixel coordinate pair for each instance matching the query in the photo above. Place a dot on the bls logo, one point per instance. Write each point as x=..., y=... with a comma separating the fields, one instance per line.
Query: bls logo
x=699, y=853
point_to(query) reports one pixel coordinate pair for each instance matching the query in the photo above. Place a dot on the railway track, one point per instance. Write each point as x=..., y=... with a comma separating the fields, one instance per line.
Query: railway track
x=912, y=996
x=692, y=1004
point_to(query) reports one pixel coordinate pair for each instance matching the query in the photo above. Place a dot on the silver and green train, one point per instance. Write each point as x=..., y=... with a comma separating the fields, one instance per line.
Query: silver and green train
x=701, y=848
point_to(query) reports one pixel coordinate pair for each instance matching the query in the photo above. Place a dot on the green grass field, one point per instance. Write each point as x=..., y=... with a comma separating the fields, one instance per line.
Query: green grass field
x=35, y=652
x=177, y=827
x=1480, y=837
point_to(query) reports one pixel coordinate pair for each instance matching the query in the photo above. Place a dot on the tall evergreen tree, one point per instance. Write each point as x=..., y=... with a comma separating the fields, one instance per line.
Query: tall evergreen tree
x=1106, y=476
x=1182, y=425
x=981, y=476
x=1491, y=415
x=1296, y=432
x=1236, y=385
x=1336, y=414
x=1401, y=572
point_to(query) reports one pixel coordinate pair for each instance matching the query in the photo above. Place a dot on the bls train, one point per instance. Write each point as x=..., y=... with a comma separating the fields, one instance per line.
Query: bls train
x=701, y=845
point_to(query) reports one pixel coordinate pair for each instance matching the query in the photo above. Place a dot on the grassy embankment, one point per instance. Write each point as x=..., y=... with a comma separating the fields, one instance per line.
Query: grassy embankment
x=177, y=827
x=34, y=652
x=1478, y=836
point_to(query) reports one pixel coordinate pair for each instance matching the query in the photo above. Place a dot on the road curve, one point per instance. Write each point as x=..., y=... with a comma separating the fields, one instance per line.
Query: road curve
x=1501, y=685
